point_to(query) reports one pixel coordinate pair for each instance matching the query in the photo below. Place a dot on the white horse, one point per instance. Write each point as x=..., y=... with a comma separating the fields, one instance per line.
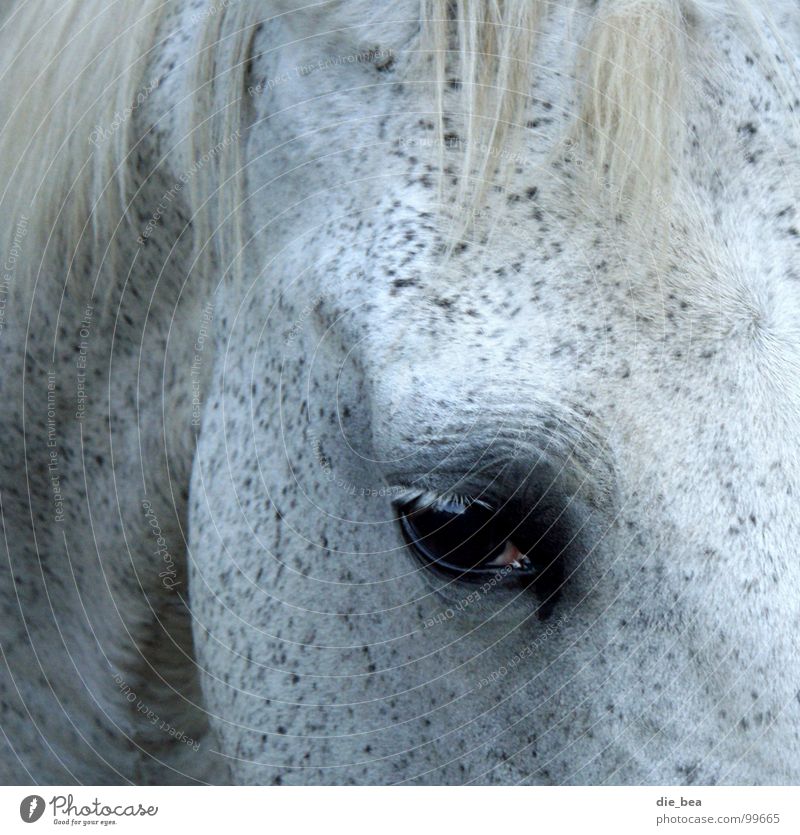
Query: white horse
x=400, y=392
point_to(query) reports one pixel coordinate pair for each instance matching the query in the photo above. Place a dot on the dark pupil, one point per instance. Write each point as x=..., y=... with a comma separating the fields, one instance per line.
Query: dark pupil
x=460, y=537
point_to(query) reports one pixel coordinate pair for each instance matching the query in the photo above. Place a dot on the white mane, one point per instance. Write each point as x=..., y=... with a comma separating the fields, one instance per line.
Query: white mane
x=64, y=71
x=68, y=71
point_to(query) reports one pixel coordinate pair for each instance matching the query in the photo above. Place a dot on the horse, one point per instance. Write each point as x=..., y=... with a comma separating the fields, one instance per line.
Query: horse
x=400, y=392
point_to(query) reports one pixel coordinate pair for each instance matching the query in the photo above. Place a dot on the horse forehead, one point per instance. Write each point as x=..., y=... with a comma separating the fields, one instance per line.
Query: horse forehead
x=735, y=254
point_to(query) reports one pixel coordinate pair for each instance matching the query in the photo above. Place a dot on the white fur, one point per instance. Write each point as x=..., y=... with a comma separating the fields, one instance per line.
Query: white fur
x=399, y=317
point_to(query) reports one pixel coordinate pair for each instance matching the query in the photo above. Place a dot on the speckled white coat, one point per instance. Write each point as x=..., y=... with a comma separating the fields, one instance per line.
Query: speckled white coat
x=659, y=406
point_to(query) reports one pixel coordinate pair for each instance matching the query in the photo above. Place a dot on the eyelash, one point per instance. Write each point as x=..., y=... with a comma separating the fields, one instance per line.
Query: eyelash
x=436, y=501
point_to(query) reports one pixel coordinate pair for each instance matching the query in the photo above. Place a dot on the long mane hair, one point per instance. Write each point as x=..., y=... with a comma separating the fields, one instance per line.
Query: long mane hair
x=77, y=67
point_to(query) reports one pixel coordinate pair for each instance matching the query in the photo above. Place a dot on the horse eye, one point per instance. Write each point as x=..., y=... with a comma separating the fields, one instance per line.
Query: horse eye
x=463, y=537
